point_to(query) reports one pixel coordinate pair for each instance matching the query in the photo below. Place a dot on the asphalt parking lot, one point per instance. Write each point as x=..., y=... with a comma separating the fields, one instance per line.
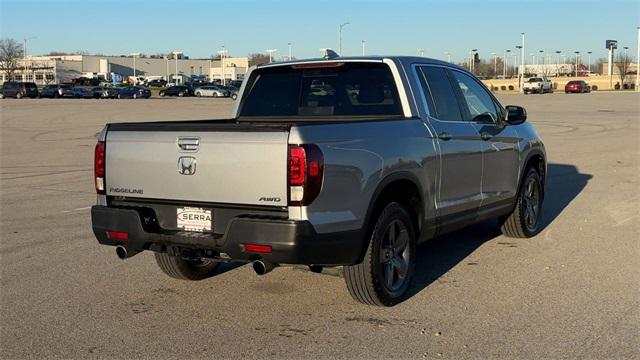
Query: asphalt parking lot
x=570, y=292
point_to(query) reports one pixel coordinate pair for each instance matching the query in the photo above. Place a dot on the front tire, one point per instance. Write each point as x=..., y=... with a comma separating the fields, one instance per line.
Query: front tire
x=525, y=219
x=384, y=276
x=184, y=269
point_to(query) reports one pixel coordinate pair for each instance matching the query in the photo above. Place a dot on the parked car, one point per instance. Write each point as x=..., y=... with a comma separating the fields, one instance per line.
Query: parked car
x=134, y=92
x=83, y=81
x=577, y=86
x=211, y=90
x=157, y=83
x=178, y=90
x=67, y=91
x=19, y=90
x=344, y=181
x=80, y=92
x=53, y=90
x=105, y=92
x=233, y=93
x=538, y=85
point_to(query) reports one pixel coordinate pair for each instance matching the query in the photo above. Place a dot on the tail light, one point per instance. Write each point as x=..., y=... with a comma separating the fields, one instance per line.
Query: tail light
x=99, y=167
x=306, y=166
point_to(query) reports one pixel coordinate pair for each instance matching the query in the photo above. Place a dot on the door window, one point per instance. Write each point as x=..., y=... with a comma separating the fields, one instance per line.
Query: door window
x=439, y=94
x=478, y=101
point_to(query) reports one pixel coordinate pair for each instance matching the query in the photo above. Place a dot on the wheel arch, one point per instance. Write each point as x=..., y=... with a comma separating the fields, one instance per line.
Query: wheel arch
x=538, y=161
x=403, y=187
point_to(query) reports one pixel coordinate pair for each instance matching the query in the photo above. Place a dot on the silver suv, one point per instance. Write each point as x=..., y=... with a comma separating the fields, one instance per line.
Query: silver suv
x=329, y=162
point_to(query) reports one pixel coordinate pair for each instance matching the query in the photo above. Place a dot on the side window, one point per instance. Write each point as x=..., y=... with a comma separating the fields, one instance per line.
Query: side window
x=479, y=102
x=441, y=98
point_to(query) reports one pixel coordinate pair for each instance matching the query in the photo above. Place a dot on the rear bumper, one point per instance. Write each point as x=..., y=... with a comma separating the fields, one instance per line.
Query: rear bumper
x=292, y=242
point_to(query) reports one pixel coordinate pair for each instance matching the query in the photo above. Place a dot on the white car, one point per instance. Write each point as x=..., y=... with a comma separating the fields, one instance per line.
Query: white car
x=211, y=90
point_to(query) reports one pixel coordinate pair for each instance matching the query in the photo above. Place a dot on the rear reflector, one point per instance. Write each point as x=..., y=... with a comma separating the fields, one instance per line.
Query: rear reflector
x=255, y=248
x=117, y=235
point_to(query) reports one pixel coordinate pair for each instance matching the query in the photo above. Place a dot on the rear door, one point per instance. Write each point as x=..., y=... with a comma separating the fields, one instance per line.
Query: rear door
x=213, y=163
x=459, y=144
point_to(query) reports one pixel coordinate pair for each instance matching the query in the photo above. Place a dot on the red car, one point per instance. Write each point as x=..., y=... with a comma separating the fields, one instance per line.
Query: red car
x=577, y=86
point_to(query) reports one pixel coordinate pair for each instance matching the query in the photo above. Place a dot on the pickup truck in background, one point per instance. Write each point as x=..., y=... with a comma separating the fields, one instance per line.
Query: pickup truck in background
x=328, y=162
x=538, y=85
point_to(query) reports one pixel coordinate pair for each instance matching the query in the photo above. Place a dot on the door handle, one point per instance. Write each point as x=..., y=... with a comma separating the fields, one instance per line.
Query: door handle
x=485, y=136
x=188, y=143
x=444, y=136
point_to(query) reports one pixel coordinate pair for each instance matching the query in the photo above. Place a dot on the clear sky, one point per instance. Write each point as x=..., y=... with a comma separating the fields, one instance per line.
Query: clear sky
x=200, y=28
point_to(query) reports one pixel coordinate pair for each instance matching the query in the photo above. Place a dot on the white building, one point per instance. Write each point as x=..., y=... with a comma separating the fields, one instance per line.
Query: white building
x=60, y=69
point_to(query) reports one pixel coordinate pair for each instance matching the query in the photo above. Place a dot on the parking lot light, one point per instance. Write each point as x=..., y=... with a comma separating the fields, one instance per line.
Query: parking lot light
x=340, y=31
x=134, y=55
x=271, y=51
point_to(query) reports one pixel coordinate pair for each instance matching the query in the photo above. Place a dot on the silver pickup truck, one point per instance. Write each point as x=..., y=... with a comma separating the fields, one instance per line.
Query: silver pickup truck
x=329, y=162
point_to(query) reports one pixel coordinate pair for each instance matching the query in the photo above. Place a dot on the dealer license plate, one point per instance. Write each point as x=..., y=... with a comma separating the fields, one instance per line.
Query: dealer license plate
x=194, y=219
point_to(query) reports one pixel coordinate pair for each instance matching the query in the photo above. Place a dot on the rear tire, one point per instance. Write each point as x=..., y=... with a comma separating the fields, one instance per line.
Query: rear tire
x=384, y=276
x=525, y=219
x=183, y=269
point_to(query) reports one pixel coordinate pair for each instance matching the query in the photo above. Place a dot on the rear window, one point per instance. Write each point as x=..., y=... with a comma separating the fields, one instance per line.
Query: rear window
x=535, y=80
x=347, y=89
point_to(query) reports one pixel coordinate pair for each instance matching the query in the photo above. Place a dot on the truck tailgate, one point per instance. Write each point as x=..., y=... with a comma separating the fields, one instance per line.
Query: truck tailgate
x=232, y=167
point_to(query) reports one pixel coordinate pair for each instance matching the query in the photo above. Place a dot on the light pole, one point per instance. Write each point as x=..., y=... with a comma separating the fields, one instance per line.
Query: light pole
x=25, y=55
x=271, y=51
x=134, y=65
x=521, y=72
x=289, y=44
x=505, y=61
x=175, y=56
x=638, y=62
x=340, y=31
x=364, y=42
x=222, y=53
x=589, y=64
x=515, y=64
x=521, y=67
x=541, y=57
x=495, y=64
x=473, y=60
x=577, y=54
x=448, y=56
x=558, y=62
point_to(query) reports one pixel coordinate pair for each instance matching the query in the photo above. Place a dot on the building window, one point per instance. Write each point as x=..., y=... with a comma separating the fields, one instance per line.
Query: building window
x=49, y=77
x=200, y=70
x=39, y=77
x=29, y=77
x=191, y=70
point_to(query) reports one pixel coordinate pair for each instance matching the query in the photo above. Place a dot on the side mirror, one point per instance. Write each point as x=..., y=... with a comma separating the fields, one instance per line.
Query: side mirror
x=515, y=115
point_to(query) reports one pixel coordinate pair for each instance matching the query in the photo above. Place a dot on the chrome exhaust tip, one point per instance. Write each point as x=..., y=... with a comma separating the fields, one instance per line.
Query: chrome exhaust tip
x=262, y=268
x=123, y=253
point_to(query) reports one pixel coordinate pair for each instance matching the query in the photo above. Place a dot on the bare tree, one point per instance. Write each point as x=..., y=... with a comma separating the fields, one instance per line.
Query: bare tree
x=10, y=55
x=257, y=59
x=623, y=62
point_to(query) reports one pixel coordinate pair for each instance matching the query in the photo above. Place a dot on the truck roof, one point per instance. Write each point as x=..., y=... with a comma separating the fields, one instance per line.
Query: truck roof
x=404, y=60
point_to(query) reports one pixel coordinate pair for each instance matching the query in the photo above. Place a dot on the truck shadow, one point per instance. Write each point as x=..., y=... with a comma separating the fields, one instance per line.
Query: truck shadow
x=439, y=255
